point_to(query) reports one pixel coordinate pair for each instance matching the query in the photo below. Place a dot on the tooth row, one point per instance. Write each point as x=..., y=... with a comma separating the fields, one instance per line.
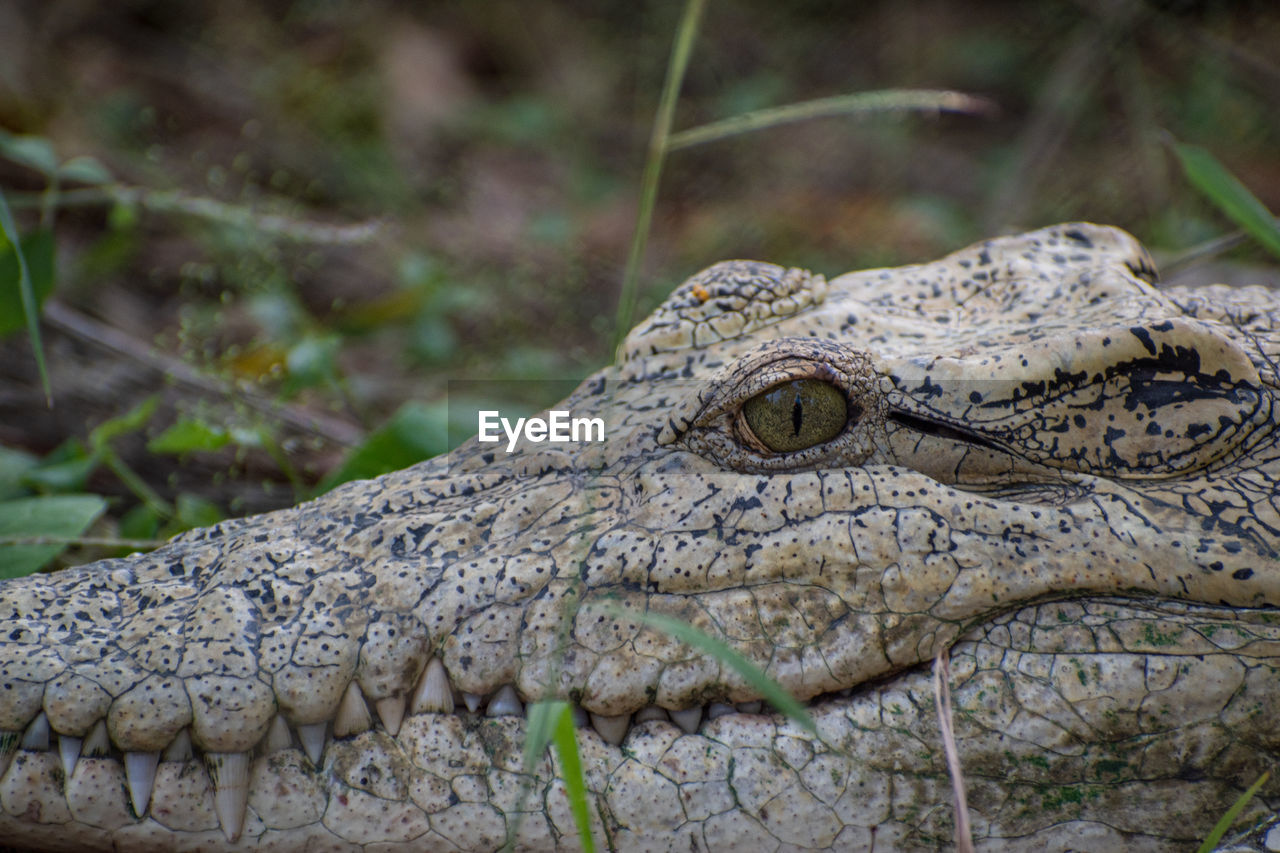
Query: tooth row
x=228, y=771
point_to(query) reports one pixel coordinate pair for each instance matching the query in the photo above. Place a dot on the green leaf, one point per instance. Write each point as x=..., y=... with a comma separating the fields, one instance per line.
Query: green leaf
x=85, y=170
x=141, y=522
x=59, y=517
x=37, y=252
x=415, y=432
x=774, y=693
x=34, y=152
x=312, y=361
x=65, y=469
x=132, y=421
x=193, y=511
x=13, y=465
x=25, y=289
x=188, y=435
x=61, y=477
x=1229, y=195
x=1224, y=823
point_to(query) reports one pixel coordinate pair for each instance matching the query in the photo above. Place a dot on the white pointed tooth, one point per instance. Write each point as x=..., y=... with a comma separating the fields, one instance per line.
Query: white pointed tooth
x=96, y=743
x=473, y=700
x=36, y=737
x=229, y=772
x=391, y=711
x=434, y=695
x=688, y=719
x=651, y=712
x=719, y=709
x=750, y=707
x=8, y=747
x=611, y=729
x=505, y=703
x=69, y=751
x=353, y=713
x=278, y=737
x=312, y=737
x=140, y=772
x=179, y=749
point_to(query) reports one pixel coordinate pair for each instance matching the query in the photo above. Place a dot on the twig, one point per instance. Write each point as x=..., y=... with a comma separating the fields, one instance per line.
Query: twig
x=942, y=697
x=79, y=325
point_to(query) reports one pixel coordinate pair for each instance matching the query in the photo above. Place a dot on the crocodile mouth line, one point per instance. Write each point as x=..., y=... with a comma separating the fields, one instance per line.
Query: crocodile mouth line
x=229, y=772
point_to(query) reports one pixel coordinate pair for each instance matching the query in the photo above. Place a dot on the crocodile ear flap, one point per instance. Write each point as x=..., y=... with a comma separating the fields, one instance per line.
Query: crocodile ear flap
x=1155, y=400
x=725, y=301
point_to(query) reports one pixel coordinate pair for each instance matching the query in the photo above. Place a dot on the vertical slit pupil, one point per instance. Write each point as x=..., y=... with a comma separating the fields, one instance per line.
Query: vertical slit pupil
x=797, y=416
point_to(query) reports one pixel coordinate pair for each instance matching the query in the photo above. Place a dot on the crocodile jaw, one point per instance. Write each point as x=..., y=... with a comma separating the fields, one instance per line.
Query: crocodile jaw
x=1034, y=728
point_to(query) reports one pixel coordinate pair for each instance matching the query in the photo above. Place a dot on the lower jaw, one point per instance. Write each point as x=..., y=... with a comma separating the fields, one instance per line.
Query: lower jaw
x=752, y=781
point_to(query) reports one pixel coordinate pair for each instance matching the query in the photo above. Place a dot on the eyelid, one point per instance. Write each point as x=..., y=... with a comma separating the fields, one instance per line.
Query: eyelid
x=771, y=364
x=771, y=376
x=705, y=423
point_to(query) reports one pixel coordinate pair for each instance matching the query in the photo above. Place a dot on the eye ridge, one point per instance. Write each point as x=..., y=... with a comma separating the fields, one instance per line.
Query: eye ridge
x=796, y=415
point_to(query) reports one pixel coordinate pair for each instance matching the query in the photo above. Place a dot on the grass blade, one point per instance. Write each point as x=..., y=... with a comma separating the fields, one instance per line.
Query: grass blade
x=886, y=100
x=539, y=724
x=539, y=729
x=49, y=523
x=772, y=691
x=564, y=736
x=1229, y=195
x=1224, y=823
x=551, y=723
x=28, y=296
x=658, y=141
x=946, y=725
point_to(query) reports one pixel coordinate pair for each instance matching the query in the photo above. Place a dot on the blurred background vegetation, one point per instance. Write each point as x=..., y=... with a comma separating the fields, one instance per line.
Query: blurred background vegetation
x=272, y=232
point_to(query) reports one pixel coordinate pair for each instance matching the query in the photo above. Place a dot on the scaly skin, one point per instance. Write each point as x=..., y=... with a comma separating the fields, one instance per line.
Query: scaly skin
x=1059, y=472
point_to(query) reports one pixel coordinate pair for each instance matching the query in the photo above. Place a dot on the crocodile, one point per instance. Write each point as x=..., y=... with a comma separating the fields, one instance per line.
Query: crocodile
x=1025, y=459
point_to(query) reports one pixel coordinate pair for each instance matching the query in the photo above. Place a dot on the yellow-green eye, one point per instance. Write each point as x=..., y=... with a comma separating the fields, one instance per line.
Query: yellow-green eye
x=797, y=414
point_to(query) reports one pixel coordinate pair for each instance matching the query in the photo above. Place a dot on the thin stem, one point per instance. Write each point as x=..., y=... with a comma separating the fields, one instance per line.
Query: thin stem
x=136, y=484
x=942, y=696
x=658, y=142
x=104, y=541
x=83, y=327
x=886, y=100
x=30, y=310
x=202, y=207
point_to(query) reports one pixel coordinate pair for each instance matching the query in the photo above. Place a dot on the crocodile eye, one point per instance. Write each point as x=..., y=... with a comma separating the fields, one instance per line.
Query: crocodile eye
x=798, y=414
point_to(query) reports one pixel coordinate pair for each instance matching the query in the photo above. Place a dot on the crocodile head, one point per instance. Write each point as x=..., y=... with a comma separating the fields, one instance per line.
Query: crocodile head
x=1023, y=454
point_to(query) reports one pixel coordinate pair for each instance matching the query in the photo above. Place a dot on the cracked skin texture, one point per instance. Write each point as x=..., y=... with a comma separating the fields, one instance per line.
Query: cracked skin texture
x=1060, y=472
